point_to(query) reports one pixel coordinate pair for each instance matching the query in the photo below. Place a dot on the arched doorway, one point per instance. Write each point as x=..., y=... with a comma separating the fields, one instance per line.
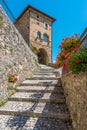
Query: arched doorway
x=42, y=56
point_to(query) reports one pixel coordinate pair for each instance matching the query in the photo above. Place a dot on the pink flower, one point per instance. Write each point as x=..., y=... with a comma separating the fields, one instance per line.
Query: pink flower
x=79, y=49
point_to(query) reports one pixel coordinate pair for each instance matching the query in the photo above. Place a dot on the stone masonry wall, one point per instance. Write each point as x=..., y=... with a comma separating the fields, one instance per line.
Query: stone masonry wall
x=16, y=58
x=28, y=25
x=37, y=24
x=23, y=26
x=76, y=97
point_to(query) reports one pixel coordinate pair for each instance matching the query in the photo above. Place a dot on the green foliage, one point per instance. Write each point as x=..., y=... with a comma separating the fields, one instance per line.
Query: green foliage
x=78, y=62
x=11, y=79
x=2, y=103
x=36, y=63
x=10, y=88
x=12, y=50
x=5, y=46
x=1, y=21
x=34, y=116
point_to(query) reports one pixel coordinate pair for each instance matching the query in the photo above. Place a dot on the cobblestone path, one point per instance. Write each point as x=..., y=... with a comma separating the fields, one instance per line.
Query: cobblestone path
x=38, y=104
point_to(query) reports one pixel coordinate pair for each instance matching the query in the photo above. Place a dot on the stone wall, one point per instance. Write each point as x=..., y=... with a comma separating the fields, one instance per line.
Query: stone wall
x=23, y=26
x=16, y=58
x=75, y=88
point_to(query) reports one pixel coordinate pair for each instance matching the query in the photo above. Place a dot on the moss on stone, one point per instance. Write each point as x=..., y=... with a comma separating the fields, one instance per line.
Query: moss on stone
x=3, y=103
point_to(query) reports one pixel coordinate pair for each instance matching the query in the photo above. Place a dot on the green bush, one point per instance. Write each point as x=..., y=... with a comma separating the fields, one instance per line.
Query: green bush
x=1, y=21
x=11, y=79
x=78, y=62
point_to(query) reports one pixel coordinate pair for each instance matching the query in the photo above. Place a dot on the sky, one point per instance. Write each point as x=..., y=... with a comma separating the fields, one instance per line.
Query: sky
x=70, y=15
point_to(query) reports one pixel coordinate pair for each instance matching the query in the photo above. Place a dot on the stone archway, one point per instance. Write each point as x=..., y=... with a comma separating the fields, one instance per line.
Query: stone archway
x=42, y=56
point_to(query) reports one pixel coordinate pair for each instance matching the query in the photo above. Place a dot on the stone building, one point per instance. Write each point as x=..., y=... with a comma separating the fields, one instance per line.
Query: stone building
x=36, y=28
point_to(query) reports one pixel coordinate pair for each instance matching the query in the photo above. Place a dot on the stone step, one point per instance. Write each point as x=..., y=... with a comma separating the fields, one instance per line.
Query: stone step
x=8, y=122
x=32, y=109
x=47, y=89
x=37, y=100
x=33, y=114
x=42, y=78
x=37, y=97
x=45, y=66
x=47, y=69
x=44, y=74
x=47, y=75
x=39, y=82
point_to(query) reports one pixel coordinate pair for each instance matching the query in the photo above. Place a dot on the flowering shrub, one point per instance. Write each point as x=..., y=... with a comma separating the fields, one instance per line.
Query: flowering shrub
x=68, y=47
x=58, y=63
x=12, y=79
x=78, y=62
x=73, y=55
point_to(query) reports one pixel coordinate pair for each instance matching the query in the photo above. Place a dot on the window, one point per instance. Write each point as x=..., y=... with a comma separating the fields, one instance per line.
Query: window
x=46, y=25
x=46, y=37
x=38, y=35
x=37, y=16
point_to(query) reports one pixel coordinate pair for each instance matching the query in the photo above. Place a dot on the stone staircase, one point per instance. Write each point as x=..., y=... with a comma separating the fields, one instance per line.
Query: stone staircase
x=38, y=104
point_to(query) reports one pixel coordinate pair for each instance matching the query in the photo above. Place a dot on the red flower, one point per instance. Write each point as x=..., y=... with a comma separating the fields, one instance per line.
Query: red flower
x=66, y=51
x=62, y=44
x=78, y=61
x=67, y=74
x=79, y=49
x=74, y=76
x=67, y=38
x=73, y=48
x=69, y=57
x=86, y=69
x=71, y=65
x=61, y=54
x=15, y=79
